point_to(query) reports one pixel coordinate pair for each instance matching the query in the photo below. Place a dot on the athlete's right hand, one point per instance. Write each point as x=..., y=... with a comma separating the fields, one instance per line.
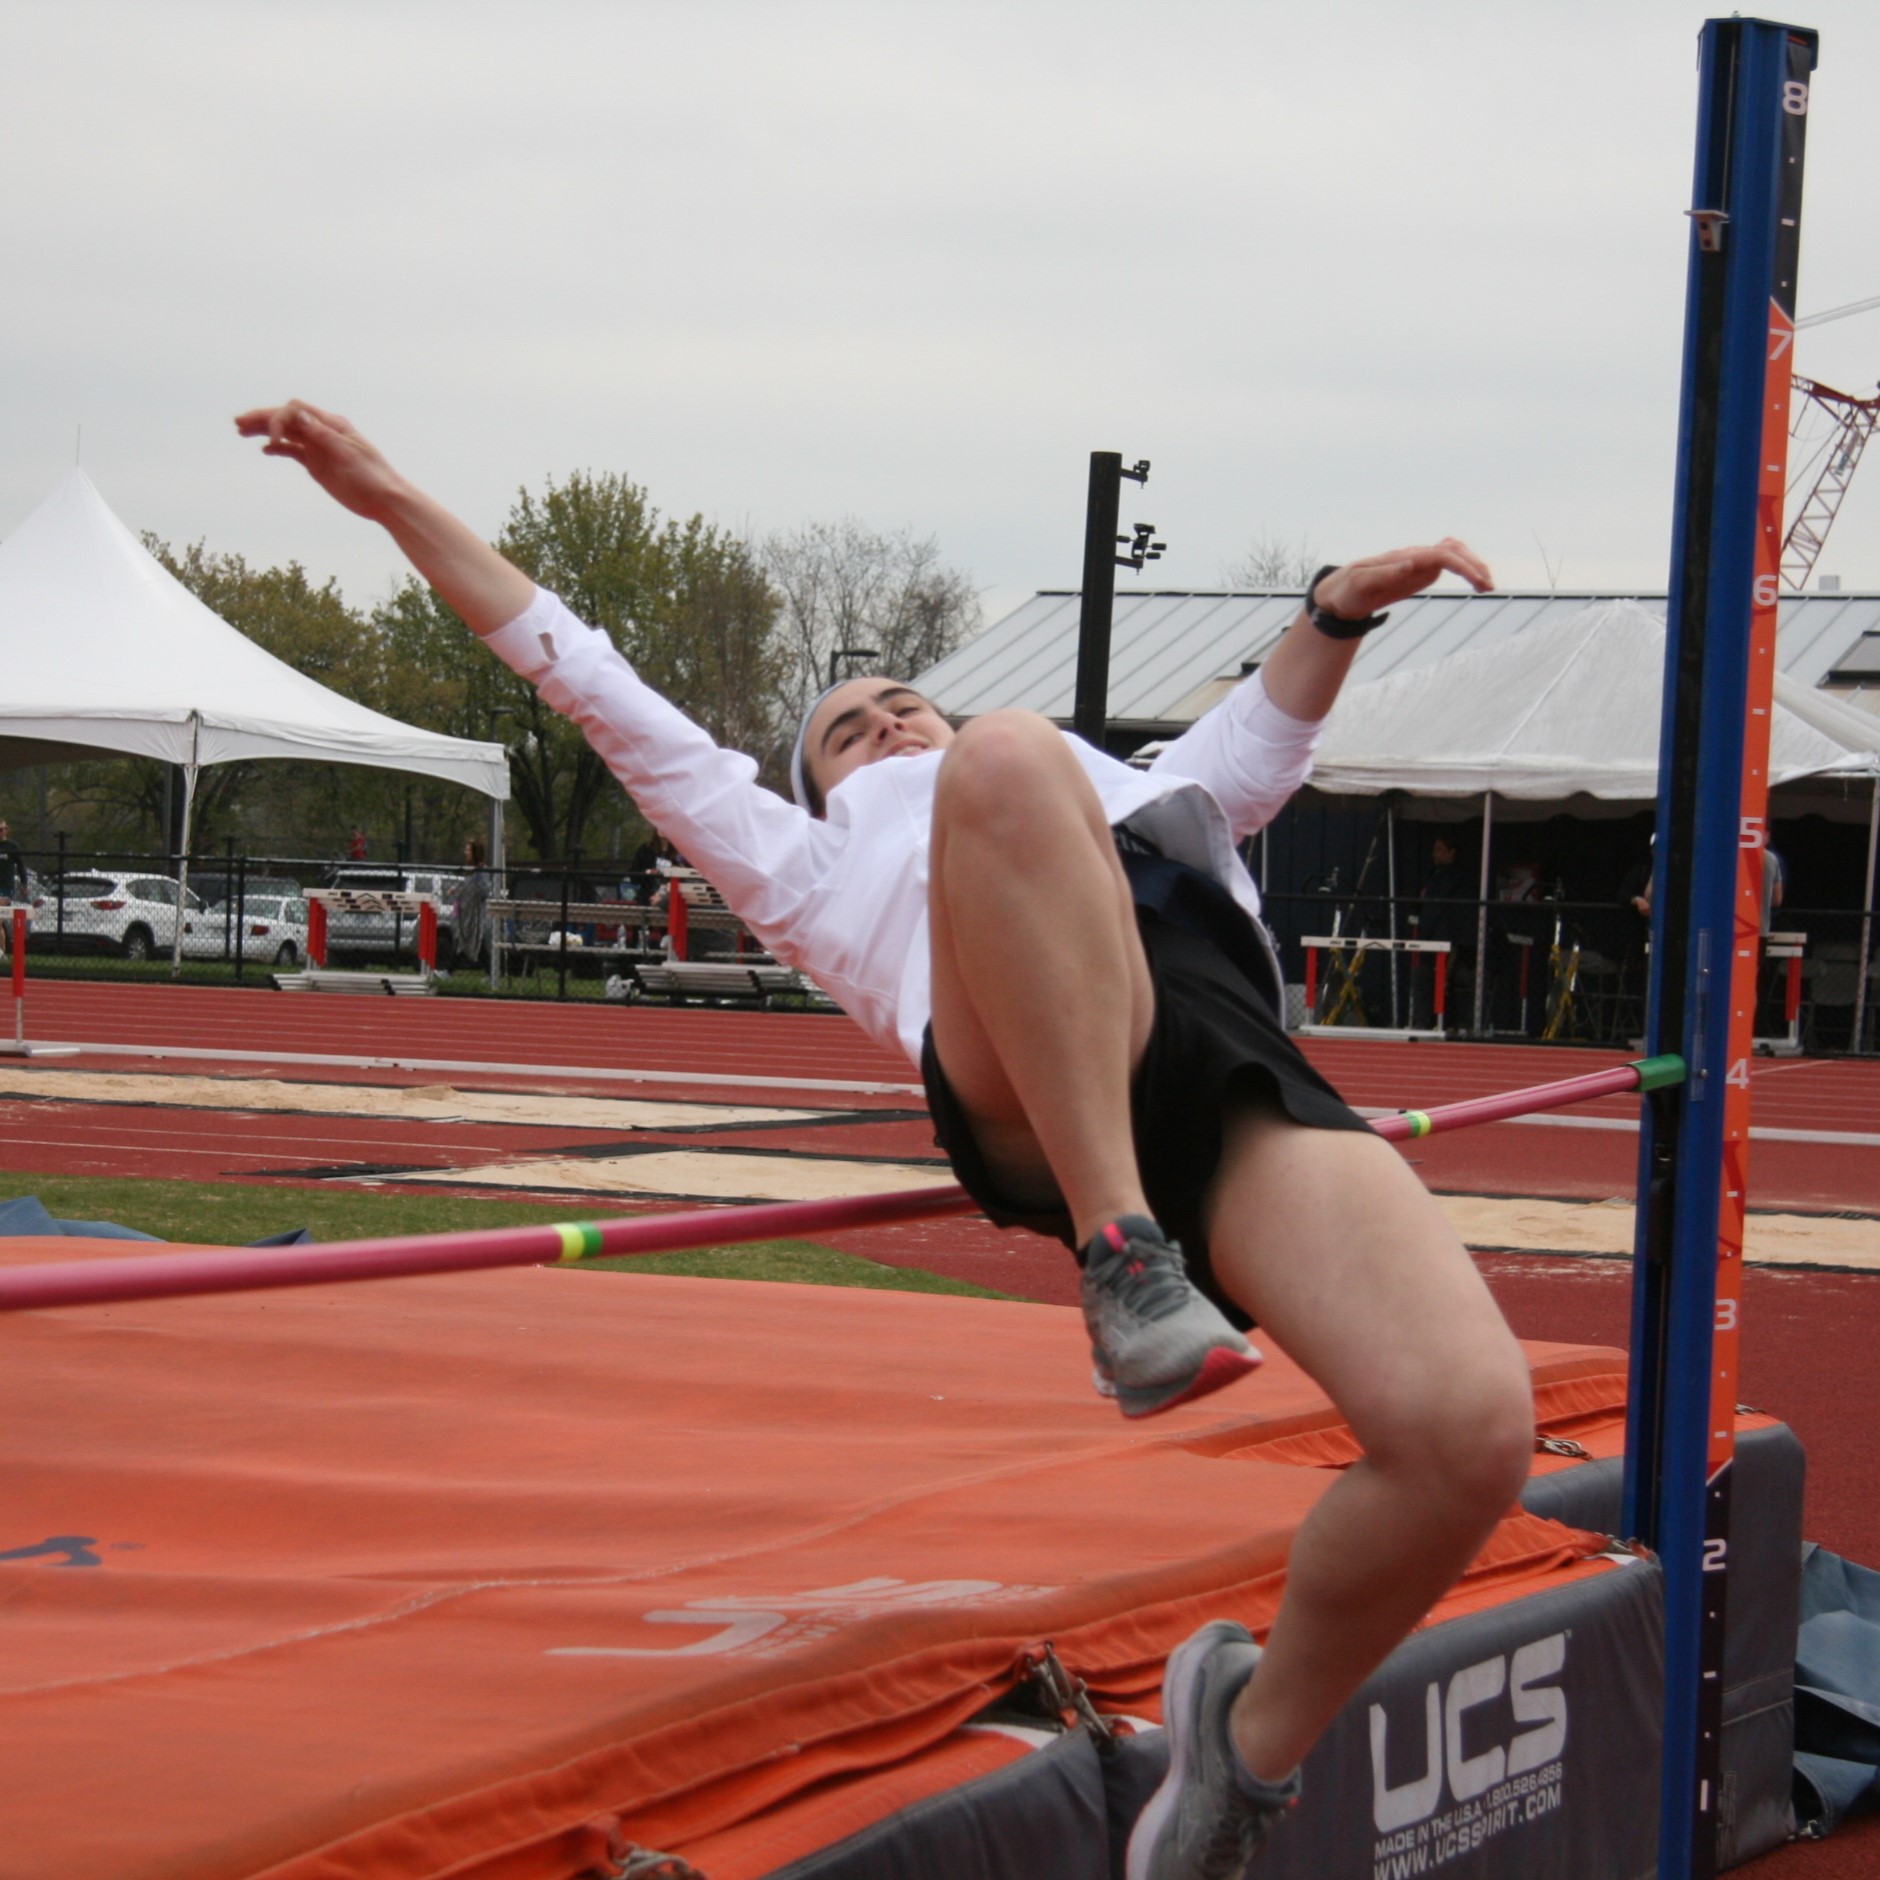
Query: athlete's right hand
x=346, y=465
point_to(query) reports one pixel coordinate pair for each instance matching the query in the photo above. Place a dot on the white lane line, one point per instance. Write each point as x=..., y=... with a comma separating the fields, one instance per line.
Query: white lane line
x=1852, y=1139
x=1832, y=1138
x=474, y=1068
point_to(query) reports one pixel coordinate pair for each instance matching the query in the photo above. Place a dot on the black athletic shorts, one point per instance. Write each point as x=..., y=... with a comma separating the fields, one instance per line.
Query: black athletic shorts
x=1216, y=1037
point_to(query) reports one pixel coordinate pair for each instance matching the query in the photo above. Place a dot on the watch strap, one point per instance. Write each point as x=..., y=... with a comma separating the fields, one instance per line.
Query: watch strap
x=1335, y=626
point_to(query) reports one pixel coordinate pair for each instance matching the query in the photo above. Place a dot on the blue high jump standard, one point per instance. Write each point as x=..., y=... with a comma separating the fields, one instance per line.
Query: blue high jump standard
x=1712, y=804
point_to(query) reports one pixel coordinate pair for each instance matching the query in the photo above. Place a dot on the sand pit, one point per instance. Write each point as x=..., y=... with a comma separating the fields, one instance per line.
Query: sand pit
x=1525, y=1225
x=699, y=1175
x=427, y=1103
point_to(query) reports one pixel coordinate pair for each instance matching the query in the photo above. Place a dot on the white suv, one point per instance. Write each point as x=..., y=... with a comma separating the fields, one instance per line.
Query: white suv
x=129, y=914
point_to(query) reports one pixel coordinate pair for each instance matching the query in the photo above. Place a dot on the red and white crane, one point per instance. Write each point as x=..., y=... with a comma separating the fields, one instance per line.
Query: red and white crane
x=1823, y=474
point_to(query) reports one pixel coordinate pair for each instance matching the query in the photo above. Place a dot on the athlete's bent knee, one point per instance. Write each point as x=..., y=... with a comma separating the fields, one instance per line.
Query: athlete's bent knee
x=995, y=764
x=1490, y=1446
x=1468, y=1436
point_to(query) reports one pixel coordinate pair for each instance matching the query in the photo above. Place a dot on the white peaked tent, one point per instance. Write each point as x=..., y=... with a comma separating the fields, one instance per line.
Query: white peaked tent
x=1566, y=709
x=1570, y=708
x=102, y=649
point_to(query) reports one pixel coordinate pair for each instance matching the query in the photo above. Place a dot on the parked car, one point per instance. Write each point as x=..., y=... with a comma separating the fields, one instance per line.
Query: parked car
x=271, y=930
x=386, y=935
x=108, y=911
x=217, y=885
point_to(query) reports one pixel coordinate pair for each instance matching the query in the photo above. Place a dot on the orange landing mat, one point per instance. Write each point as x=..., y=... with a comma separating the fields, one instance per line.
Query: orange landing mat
x=484, y=1575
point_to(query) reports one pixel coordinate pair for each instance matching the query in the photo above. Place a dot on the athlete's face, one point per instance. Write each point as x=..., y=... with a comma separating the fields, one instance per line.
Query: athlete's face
x=864, y=721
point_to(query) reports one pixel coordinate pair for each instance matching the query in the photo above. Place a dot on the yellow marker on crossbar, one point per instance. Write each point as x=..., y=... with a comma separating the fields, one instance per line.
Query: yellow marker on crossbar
x=579, y=1241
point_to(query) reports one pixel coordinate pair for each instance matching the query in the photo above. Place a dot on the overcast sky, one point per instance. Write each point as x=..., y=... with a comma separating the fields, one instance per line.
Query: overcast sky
x=1355, y=271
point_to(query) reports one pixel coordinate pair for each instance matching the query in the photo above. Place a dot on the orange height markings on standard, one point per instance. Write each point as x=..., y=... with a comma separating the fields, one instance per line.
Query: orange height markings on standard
x=1744, y=243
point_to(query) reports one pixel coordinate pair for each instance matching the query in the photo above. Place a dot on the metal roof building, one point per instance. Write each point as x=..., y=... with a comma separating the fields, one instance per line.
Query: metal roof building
x=1174, y=654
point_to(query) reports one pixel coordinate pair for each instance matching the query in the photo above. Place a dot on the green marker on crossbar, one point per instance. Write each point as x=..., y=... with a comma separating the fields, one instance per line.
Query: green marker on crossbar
x=579, y=1241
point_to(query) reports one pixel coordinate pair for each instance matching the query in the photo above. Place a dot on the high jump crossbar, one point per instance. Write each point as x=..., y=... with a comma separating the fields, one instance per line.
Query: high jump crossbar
x=120, y=1280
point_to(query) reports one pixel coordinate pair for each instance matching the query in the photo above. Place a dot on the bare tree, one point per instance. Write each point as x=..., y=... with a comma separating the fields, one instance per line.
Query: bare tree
x=1272, y=563
x=845, y=587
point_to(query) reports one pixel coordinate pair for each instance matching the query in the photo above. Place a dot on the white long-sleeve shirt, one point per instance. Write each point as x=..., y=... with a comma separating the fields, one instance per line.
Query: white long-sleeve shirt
x=845, y=897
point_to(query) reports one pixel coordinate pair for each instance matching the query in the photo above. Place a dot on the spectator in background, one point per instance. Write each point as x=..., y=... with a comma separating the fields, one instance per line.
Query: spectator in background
x=1514, y=938
x=13, y=876
x=1446, y=912
x=1775, y=881
x=1771, y=1010
x=470, y=913
x=15, y=883
x=1635, y=903
x=356, y=845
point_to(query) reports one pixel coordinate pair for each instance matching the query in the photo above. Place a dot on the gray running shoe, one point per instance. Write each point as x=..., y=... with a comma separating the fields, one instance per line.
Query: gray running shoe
x=1208, y=1818
x=1154, y=1341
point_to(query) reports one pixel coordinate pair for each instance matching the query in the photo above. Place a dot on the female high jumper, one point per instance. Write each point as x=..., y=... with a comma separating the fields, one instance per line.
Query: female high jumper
x=1072, y=952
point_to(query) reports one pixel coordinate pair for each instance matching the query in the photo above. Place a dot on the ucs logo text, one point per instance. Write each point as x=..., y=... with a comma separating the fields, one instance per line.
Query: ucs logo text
x=1537, y=1719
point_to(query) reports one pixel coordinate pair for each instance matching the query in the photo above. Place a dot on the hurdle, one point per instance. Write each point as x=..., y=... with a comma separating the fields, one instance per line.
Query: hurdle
x=1359, y=945
x=323, y=903
x=18, y=922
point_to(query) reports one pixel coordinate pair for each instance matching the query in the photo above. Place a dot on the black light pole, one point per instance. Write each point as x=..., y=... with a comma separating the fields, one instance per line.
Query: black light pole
x=1091, y=705
x=840, y=653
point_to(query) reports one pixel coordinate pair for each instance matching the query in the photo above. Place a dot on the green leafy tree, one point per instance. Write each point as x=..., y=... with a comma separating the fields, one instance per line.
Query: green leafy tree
x=687, y=603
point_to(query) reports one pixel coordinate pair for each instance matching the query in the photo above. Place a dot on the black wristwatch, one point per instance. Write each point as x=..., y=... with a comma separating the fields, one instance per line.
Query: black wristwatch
x=1334, y=626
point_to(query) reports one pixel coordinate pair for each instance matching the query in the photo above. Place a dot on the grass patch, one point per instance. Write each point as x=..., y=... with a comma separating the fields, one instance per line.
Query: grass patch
x=798, y=1262
x=229, y=1213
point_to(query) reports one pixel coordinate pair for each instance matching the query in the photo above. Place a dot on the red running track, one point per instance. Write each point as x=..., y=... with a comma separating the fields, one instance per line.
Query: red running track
x=502, y=1044
x=573, y=1038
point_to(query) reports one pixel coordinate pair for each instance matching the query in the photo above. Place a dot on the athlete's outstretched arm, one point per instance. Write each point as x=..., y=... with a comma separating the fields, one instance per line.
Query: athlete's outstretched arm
x=486, y=590
x=1305, y=670
x=1254, y=748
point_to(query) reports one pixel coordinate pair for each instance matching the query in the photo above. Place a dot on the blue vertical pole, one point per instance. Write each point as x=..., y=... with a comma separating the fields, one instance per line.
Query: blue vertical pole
x=1752, y=107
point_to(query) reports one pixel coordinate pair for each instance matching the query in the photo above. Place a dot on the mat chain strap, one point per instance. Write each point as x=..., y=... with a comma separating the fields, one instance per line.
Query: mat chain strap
x=645, y=1863
x=1064, y=1695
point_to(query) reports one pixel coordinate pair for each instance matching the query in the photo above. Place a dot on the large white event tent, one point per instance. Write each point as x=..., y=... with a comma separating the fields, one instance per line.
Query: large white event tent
x=1567, y=709
x=104, y=650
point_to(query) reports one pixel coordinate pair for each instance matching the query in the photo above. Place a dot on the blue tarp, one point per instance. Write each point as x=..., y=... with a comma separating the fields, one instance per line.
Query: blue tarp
x=1837, y=1692
x=29, y=1215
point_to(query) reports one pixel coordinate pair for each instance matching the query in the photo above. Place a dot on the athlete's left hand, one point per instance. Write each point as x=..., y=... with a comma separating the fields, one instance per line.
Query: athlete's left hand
x=1361, y=588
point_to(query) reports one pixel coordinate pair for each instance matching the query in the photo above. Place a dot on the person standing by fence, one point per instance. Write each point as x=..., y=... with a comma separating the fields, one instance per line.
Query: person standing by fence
x=1446, y=911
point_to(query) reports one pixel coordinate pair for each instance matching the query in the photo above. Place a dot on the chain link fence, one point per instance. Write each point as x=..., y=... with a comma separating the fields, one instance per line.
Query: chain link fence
x=535, y=930
x=1550, y=971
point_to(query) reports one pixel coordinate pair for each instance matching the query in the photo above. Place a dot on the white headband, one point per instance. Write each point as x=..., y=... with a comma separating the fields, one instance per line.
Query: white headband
x=799, y=782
